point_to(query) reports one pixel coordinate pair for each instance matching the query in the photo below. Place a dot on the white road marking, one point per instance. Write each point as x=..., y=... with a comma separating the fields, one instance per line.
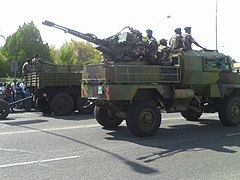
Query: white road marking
x=234, y=134
x=37, y=162
x=79, y=127
x=49, y=129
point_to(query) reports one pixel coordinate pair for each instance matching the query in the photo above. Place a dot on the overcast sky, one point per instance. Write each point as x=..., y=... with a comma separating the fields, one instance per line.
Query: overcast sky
x=106, y=17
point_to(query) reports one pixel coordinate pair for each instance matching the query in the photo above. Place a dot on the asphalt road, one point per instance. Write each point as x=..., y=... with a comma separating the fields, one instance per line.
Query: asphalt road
x=33, y=146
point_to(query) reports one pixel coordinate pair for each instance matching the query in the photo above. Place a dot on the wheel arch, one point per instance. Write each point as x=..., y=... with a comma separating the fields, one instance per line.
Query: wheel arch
x=230, y=89
x=148, y=94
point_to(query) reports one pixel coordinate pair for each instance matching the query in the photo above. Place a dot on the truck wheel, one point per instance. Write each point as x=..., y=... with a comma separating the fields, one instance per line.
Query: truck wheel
x=191, y=114
x=229, y=113
x=107, y=117
x=62, y=104
x=143, y=118
x=79, y=106
x=43, y=106
x=4, y=109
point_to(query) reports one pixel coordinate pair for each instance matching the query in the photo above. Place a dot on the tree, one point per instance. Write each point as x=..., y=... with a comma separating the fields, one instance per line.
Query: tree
x=25, y=42
x=78, y=52
x=53, y=53
x=66, y=54
x=4, y=68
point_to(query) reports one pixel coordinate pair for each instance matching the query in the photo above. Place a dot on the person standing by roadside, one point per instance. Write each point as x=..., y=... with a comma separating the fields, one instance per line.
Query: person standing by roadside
x=8, y=94
x=13, y=86
x=2, y=89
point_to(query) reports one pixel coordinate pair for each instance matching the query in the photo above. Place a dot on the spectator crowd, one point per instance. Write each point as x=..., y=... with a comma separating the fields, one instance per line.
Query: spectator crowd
x=15, y=91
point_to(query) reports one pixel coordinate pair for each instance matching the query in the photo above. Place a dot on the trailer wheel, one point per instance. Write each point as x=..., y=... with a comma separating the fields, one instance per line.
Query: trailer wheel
x=191, y=115
x=229, y=113
x=62, y=104
x=143, y=118
x=43, y=106
x=4, y=109
x=80, y=102
x=107, y=117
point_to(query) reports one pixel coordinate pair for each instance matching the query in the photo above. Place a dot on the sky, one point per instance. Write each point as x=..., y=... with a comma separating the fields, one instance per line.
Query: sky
x=214, y=22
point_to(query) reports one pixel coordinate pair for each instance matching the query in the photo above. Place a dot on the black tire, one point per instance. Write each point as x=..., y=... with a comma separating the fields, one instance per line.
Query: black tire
x=143, y=118
x=191, y=115
x=43, y=106
x=107, y=117
x=80, y=102
x=4, y=109
x=62, y=104
x=229, y=113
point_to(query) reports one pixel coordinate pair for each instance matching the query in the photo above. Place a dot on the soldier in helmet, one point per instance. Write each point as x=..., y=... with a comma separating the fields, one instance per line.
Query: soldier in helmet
x=152, y=44
x=176, y=41
x=163, y=53
x=26, y=68
x=37, y=61
x=188, y=40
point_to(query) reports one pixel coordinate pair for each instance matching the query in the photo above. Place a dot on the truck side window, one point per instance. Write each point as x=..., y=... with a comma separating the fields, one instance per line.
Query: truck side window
x=216, y=64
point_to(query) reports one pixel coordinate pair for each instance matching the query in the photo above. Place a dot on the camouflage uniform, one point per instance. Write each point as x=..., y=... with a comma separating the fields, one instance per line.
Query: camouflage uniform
x=163, y=53
x=37, y=61
x=176, y=41
x=152, y=45
x=26, y=68
x=187, y=41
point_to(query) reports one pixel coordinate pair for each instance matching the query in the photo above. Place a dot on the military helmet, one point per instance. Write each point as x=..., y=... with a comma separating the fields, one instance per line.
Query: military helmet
x=177, y=30
x=163, y=42
x=148, y=31
x=187, y=28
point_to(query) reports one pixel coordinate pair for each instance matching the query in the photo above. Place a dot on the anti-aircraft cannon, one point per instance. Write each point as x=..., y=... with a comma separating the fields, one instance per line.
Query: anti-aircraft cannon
x=123, y=46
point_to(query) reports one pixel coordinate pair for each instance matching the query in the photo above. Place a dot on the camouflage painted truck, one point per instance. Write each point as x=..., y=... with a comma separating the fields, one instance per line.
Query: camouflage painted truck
x=131, y=86
x=57, y=88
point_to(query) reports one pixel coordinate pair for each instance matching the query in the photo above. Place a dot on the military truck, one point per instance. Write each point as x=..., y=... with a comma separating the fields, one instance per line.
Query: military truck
x=56, y=88
x=130, y=85
x=198, y=82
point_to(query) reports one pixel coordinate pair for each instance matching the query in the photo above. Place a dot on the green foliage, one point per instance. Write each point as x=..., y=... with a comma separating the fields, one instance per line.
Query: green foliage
x=78, y=52
x=25, y=42
x=53, y=53
x=66, y=54
x=4, y=67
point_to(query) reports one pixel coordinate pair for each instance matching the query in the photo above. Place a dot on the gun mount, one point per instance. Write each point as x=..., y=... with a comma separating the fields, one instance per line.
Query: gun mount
x=123, y=46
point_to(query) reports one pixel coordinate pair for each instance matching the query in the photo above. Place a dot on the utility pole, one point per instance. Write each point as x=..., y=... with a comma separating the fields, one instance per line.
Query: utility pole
x=216, y=26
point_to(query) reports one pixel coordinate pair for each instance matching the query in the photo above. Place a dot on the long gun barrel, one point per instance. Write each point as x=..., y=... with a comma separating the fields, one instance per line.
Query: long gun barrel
x=119, y=47
x=88, y=37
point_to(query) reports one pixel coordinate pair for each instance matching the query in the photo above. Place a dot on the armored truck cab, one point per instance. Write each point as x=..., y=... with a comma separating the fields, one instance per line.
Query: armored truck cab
x=197, y=82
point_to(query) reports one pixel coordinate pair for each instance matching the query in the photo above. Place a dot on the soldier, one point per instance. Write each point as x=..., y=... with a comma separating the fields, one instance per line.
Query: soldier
x=151, y=40
x=26, y=68
x=176, y=41
x=37, y=61
x=163, y=53
x=152, y=44
x=188, y=40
